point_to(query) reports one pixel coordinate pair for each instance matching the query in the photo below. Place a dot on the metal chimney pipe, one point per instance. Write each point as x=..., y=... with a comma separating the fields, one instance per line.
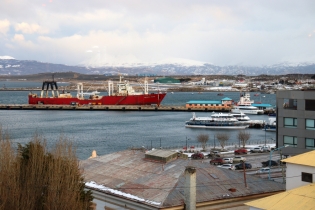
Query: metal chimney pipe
x=190, y=188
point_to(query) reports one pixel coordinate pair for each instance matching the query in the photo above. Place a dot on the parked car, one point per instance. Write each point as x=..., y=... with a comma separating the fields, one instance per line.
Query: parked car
x=240, y=151
x=266, y=163
x=257, y=149
x=197, y=156
x=263, y=170
x=214, y=154
x=216, y=161
x=227, y=166
x=266, y=148
x=239, y=159
x=241, y=166
x=228, y=160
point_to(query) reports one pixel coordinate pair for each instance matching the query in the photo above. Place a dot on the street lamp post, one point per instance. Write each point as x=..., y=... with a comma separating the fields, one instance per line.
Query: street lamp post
x=265, y=134
x=187, y=143
x=276, y=149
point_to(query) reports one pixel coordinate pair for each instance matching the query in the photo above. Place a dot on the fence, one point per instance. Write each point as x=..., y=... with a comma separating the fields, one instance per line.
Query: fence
x=209, y=146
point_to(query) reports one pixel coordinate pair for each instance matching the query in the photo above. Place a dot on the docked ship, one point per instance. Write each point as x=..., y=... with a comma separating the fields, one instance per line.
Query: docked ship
x=216, y=121
x=245, y=106
x=271, y=125
x=241, y=116
x=123, y=94
x=246, y=109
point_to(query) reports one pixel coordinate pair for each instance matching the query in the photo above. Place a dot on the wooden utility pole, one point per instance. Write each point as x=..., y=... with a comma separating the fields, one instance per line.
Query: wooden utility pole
x=244, y=174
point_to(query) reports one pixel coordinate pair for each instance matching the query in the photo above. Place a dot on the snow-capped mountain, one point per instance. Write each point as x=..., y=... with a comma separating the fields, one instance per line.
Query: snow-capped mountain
x=11, y=66
x=6, y=57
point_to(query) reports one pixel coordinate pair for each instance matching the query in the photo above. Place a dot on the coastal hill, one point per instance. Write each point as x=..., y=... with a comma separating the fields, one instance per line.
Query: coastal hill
x=11, y=66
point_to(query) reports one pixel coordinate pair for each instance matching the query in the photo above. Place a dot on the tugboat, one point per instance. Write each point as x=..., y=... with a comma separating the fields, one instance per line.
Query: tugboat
x=124, y=95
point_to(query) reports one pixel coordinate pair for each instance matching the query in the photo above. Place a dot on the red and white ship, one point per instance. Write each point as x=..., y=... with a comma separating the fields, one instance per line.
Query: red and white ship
x=123, y=95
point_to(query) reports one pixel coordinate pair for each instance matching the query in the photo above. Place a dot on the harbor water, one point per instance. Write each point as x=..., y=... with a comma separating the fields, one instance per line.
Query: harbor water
x=111, y=131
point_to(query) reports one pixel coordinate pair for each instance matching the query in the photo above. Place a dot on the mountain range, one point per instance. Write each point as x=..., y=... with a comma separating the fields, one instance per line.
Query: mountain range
x=11, y=66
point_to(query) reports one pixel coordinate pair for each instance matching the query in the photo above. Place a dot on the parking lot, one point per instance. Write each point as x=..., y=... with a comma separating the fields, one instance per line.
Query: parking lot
x=255, y=160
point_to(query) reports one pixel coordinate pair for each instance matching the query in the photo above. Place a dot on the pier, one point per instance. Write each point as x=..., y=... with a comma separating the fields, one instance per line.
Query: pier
x=107, y=108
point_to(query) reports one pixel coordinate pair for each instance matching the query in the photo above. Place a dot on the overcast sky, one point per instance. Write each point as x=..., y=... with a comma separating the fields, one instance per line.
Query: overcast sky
x=221, y=32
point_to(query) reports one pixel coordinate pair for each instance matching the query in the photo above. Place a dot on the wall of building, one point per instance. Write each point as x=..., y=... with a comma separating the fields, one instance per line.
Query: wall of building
x=210, y=106
x=294, y=175
x=290, y=109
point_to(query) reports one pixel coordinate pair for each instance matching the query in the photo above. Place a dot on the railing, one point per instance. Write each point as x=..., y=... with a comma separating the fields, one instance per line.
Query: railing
x=209, y=146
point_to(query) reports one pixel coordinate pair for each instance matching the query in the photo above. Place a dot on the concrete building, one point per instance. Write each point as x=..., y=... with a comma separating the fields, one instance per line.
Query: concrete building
x=160, y=179
x=296, y=121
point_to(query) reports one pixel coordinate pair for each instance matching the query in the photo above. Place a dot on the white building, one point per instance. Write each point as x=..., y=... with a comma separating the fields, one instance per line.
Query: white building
x=300, y=170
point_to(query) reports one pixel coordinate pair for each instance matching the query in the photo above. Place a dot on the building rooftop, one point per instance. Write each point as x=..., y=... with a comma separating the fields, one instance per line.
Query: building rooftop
x=226, y=99
x=306, y=159
x=299, y=198
x=130, y=175
x=204, y=102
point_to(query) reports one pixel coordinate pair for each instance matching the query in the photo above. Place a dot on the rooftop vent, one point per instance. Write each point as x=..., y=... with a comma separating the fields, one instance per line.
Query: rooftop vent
x=162, y=156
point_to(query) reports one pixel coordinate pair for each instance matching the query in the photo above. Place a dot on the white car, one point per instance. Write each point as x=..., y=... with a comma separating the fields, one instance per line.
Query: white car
x=227, y=166
x=227, y=160
x=239, y=159
x=257, y=149
x=263, y=171
x=266, y=148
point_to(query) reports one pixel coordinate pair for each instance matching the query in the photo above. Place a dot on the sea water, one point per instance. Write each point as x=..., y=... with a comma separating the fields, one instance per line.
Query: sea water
x=111, y=131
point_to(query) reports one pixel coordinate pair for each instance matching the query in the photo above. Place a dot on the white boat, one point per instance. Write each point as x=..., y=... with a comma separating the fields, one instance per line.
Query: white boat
x=246, y=109
x=241, y=116
x=245, y=105
x=272, y=125
x=215, y=121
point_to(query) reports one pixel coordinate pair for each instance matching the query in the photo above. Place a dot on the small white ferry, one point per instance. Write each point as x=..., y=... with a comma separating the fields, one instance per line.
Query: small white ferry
x=246, y=109
x=241, y=116
x=245, y=105
x=216, y=121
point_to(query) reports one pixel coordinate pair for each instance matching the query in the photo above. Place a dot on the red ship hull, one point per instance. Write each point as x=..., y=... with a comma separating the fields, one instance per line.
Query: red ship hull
x=144, y=99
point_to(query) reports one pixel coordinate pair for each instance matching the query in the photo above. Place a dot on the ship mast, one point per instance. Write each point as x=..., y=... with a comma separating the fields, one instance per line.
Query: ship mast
x=53, y=87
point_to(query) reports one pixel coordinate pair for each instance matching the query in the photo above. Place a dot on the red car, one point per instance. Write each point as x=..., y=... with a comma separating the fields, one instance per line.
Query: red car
x=197, y=156
x=240, y=151
x=217, y=161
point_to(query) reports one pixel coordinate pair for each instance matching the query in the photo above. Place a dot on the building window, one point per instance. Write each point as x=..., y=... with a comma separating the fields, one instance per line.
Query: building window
x=290, y=140
x=309, y=143
x=290, y=122
x=290, y=103
x=310, y=105
x=310, y=124
x=307, y=177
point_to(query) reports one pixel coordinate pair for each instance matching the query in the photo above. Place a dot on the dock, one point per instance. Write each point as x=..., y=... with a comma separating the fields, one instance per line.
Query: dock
x=106, y=108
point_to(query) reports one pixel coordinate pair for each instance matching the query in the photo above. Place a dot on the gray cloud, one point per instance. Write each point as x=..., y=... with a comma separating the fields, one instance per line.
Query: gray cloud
x=219, y=32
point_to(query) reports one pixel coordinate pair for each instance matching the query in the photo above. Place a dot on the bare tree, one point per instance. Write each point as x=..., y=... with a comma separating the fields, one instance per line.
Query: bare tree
x=34, y=178
x=203, y=139
x=223, y=138
x=243, y=136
